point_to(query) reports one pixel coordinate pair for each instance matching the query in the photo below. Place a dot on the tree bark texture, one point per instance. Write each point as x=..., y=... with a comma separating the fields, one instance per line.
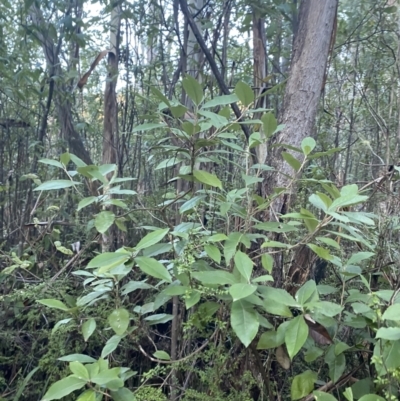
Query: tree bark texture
x=313, y=41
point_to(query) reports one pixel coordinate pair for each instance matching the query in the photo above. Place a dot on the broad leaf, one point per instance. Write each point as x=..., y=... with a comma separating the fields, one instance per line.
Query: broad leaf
x=152, y=238
x=78, y=369
x=153, y=268
x=88, y=327
x=296, y=335
x=244, y=264
x=244, y=93
x=56, y=184
x=308, y=144
x=215, y=277
x=63, y=388
x=193, y=89
x=303, y=384
x=119, y=320
x=77, y=357
x=111, y=345
x=108, y=259
x=206, y=178
x=162, y=355
x=103, y=221
x=239, y=291
x=320, y=396
x=244, y=321
x=53, y=303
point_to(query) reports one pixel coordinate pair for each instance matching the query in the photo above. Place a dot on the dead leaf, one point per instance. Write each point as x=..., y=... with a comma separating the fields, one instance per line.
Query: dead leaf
x=318, y=332
x=282, y=357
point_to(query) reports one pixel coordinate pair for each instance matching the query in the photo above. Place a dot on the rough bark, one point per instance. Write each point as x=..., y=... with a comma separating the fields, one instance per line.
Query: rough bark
x=311, y=47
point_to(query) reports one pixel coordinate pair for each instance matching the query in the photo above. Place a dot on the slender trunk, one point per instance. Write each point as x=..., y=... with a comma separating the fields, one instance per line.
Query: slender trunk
x=110, y=132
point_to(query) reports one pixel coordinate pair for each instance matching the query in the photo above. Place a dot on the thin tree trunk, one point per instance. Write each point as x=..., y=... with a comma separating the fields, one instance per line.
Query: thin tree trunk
x=61, y=92
x=110, y=133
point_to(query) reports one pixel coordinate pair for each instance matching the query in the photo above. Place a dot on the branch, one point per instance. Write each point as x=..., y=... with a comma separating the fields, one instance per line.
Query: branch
x=213, y=65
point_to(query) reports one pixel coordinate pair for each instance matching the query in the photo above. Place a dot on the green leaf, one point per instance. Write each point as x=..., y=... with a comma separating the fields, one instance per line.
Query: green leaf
x=65, y=158
x=371, y=397
x=359, y=257
x=111, y=346
x=336, y=363
x=239, y=291
x=51, y=162
x=348, y=393
x=312, y=354
x=230, y=246
x=347, y=200
x=77, y=161
x=244, y=93
x=88, y=395
x=119, y=320
x=105, y=376
x=191, y=203
x=148, y=127
x=321, y=252
x=78, y=358
x=318, y=202
x=244, y=321
x=168, y=163
x=152, y=238
x=176, y=290
x=78, y=369
x=303, y=384
x=206, y=178
x=327, y=308
x=321, y=396
x=213, y=252
x=27, y=379
x=159, y=95
x=270, y=339
x=153, y=268
x=192, y=299
x=56, y=184
x=108, y=259
x=104, y=221
x=269, y=124
x=292, y=161
x=388, y=333
x=53, y=303
x=221, y=101
x=86, y=201
x=123, y=394
x=220, y=277
x=329, y=241
x=392, y=312
x=193, y=89
x=267, y=262
x=162, y=355
x=308, y=145
x=296, y=335
x=63, y=387
x=88, y=328
x=244, y=264
x=307, y=293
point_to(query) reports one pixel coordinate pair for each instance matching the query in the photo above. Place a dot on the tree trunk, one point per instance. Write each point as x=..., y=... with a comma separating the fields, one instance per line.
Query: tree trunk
x=313, y=40
x=110, y=133
x=61, y=91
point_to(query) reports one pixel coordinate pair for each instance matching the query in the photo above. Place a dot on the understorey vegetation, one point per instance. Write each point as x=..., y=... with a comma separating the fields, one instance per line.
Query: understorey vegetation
x=199, y=234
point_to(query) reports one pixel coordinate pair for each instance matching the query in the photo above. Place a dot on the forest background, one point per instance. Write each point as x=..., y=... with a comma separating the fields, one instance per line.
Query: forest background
x=202, y=206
